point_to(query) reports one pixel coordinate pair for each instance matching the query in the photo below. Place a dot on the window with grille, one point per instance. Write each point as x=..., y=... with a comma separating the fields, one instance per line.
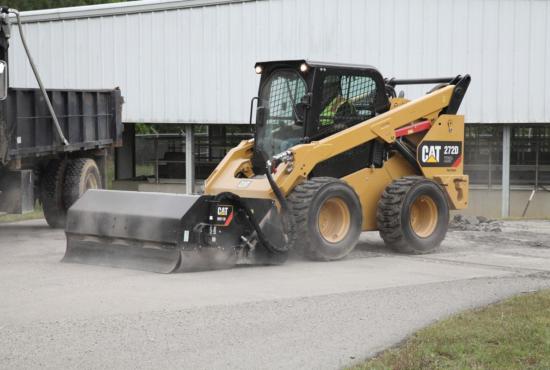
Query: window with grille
x=278, y=98
x=346, y=100
x=529, y=155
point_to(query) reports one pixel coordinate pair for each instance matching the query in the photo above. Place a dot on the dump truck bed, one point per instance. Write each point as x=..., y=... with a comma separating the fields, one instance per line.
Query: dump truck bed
x=90, y=119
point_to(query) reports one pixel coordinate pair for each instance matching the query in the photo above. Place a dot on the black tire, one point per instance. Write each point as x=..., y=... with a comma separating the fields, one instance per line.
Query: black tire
x=305, y=204
x=51, y=193
x=81, y=174
x=394, y=215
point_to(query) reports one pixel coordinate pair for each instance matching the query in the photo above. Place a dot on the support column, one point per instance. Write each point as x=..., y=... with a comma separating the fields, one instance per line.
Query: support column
x=125, y=156
x=189, y=160
x=217, y=138
x=505, y=207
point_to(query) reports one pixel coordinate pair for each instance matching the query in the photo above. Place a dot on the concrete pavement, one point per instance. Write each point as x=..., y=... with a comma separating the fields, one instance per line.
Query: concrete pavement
x=302, y=314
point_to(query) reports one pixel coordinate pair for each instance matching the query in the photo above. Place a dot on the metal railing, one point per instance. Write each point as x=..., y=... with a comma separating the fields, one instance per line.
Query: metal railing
x=168, y=149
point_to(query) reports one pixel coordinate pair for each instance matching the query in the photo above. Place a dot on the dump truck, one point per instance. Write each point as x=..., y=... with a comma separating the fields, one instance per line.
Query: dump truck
x=336, y=151
x=54, y=143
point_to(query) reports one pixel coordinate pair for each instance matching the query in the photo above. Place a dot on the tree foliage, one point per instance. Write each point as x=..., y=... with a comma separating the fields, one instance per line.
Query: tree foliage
x=48, y=4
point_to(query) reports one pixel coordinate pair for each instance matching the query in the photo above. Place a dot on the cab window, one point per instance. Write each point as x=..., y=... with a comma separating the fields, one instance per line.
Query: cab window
x=346, y=100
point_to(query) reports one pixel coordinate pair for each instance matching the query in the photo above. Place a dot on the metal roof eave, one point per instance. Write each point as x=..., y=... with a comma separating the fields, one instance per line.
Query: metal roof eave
x=130, y=7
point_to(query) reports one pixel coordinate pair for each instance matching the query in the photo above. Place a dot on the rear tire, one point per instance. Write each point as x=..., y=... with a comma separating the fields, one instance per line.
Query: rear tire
x=51, y=193
x=327, y=218
x=413, y=215
x=81, y=175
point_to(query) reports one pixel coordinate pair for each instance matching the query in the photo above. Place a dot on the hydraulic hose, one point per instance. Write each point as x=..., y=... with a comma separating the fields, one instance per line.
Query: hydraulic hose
x=276, y=190
x=250, y=217
x=37, y=76
x=285, y=211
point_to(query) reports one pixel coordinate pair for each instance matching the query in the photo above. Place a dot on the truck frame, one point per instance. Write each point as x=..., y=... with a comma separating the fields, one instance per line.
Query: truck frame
x=40, y=162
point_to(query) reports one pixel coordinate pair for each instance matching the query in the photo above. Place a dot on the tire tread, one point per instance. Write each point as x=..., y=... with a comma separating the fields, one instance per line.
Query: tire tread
x=299, y=205
x=51, y=193
x=73, y=175
x=388, y=214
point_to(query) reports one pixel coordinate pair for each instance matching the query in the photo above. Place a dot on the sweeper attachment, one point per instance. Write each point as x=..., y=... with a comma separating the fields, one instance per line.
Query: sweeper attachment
x=335, y=152
x=169, y=232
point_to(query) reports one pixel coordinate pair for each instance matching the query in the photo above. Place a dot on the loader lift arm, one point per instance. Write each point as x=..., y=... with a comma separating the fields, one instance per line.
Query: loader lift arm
x=382, y=126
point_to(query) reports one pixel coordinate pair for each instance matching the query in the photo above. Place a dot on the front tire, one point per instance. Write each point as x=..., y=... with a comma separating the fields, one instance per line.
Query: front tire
x=81, y=175
x=413, y=215
x=51, y=193
x=327, y=218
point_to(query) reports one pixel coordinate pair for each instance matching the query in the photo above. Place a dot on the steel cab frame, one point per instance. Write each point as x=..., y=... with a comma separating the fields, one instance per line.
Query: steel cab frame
x=293, y=96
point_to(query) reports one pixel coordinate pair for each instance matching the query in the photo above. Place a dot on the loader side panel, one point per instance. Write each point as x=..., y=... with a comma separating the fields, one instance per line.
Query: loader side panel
x=369, y=184
x=441, y=150
x=440, y=155
x=368, y=154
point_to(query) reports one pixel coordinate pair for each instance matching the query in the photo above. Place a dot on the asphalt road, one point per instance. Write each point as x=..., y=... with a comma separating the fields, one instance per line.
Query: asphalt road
x=299, y=315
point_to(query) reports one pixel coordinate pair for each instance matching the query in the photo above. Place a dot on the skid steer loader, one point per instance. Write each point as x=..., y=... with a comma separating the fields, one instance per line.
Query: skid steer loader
x=335, y=153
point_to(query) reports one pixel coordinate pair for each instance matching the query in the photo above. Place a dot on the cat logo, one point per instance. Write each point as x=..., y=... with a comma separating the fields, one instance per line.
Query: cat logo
x=223, y=211
x=431, y=153
x=221, y=215
x=439, y=154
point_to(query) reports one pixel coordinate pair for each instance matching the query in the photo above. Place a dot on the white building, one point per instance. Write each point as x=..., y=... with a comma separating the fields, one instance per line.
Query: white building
x=191, y=61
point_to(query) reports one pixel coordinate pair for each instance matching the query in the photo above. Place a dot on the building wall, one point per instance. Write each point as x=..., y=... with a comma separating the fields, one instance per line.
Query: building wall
x=487, y=202
x=183, y=61
x=529, y=155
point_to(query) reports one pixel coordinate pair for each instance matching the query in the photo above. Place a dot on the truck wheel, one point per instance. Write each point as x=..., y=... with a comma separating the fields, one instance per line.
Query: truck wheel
x=51, y=193
x=327, y=218
x=81, y=175
x=413, y=215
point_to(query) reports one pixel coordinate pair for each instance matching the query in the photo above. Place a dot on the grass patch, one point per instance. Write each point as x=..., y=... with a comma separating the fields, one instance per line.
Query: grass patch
x=34, y=215
x=513, y=334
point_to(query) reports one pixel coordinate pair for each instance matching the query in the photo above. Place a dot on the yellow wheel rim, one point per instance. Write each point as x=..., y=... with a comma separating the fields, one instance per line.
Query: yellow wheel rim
x=423, y=216
x=91, y=182
x=334, y=220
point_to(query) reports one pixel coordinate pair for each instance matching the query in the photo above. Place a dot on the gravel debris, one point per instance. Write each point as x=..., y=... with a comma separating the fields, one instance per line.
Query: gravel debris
x=475, y=223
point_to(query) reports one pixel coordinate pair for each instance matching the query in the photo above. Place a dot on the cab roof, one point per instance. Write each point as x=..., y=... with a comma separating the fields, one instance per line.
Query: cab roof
x=316, y=64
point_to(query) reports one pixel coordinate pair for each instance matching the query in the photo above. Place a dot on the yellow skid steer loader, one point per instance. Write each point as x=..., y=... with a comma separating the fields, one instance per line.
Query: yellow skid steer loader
x=335, y=153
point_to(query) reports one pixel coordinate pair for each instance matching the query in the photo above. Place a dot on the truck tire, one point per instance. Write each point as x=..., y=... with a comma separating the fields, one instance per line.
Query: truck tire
x=413, y=215
x=81, y=175
x=51, y=193
x=326, y=218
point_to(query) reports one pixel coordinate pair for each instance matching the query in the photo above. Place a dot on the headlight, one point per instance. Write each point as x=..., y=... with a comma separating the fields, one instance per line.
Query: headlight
x=303, y=67
x=259, y=70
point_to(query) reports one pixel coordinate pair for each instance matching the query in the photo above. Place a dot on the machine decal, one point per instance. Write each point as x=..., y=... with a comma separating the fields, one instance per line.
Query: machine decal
x=244, y=183
x=439, y=153
x=221, y=215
